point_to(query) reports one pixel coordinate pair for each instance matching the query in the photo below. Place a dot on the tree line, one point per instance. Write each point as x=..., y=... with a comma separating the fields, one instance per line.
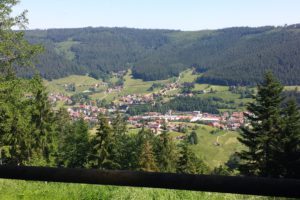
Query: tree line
x=183, y=103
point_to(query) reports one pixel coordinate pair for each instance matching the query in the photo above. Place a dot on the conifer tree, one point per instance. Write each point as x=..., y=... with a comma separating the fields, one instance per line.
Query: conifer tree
x=104, y=150
x=77, y=147
x=15, y=121
x=41, y=120
x=166, y=152
x=119, y=125
x=265, y=126
x=188, y=163
x=63, y=128
x=121, y=142
x=147, y=161
x=287, y=152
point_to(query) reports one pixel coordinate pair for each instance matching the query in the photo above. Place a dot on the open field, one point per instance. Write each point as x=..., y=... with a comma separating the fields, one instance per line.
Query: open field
x=290, y=88
x=131, y=86
x=187, y=76
x=82, y=83
x=216, y=148
x=29, y=190
x=64, y=48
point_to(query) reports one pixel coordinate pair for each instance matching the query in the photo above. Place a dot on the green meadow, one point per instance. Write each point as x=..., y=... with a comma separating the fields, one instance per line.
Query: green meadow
x=29, y=190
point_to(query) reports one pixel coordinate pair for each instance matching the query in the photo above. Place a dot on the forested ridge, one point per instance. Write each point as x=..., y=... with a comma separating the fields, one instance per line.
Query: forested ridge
x=231, y=56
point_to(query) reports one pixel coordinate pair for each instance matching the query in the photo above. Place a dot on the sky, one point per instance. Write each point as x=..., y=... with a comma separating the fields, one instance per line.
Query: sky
x=161, y=14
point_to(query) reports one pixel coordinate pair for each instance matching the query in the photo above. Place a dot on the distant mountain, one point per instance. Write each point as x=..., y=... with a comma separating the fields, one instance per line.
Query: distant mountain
x=232, y=56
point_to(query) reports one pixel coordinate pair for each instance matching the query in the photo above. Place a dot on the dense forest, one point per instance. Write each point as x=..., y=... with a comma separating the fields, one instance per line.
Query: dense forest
x=232, y=56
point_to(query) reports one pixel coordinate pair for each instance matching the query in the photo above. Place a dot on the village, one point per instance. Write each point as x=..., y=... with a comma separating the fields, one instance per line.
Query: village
x=156, y=121
x=153, y=120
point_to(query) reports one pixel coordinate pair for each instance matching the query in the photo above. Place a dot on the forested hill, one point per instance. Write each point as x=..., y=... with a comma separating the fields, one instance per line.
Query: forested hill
x=226, y=56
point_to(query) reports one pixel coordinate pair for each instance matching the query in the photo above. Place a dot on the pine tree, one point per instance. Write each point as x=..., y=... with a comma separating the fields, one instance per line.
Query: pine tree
x=166, y=152
x=265, y=126
x=147, y=161
x=287, y=153
x=119, y=125
x=15, y=121
x=76, y=146
x=63, y=128
x=121, y=141
x=104, y=148
x=41, y=120
x=188, y=163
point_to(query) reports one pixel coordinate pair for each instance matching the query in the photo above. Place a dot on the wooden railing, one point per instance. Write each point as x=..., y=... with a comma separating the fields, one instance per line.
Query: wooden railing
x=208, y=183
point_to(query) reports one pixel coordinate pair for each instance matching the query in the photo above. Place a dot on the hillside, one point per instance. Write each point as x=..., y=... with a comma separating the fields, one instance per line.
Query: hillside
x=229, y=56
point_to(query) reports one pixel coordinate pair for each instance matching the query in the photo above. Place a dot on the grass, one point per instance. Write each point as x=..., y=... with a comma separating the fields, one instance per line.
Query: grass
x=131, y=86
x=138, y=86
x=29, y=190
x=65, y=48
x=81, y=82
x=291, y=88
x=188, y=76
x=207, y=87
x=207, y=149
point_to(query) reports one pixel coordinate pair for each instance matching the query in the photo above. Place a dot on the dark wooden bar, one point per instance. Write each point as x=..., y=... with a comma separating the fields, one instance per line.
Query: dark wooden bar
x=208, y=183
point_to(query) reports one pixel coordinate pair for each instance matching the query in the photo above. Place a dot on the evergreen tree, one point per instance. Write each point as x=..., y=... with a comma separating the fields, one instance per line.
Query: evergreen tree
x=41, y=120
x=104, y=148
x=287, y=153
x=265, y=126
x=76, y=147
x=146, y=160
x=63, y=128
x=188, y=163
x=166, y=152
x=15, y=121
x=121, y=141
x=119, y=125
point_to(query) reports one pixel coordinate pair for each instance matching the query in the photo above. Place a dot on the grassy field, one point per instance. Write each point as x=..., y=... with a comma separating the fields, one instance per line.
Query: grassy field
x=131, y=86
x=65, y=49
x=29, y=190
x=207, y=148
x=290, y=88
x=187, y=76
x=214, y=155
x=82, y=83
x=138, y=86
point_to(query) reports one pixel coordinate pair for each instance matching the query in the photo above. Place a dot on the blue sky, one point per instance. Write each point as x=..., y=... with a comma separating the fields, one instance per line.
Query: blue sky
x=169, y=14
